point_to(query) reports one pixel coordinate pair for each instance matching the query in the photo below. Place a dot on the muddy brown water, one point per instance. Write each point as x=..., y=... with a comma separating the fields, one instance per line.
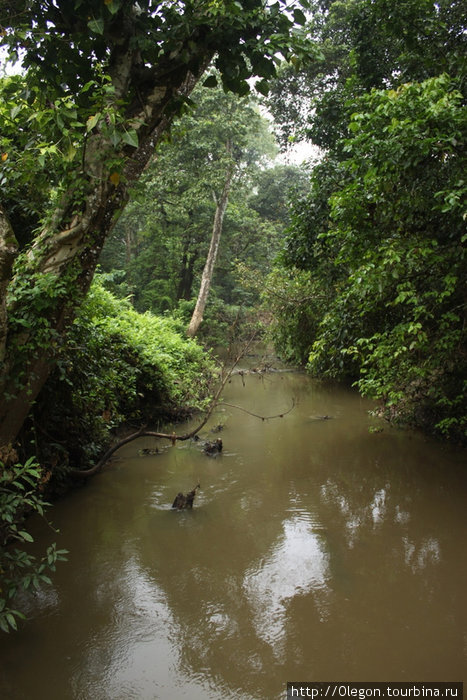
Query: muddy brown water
x=316, y=550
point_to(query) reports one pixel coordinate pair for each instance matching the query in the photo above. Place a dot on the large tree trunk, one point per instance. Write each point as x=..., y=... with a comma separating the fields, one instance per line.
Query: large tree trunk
x=206, y=278
x=8, y=252
x=187, y=275
x=68, y=249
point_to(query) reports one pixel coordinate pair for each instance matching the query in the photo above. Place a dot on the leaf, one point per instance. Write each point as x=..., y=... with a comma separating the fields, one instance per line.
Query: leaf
x=3, y=624
x=131, y=138
x=15, y=111
x=262, y=86
x=115, y=138
x=115, y=179
x=96, y=25
x=263, y=67
x=90, y=84
x=299, y=17
x=113, y=6
x=11, y=620
x=92, y=121
x=70, y=153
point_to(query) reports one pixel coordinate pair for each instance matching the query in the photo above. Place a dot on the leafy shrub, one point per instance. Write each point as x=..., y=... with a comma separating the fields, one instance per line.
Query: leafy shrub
x=118, y=366
x=21, y=489
x=222, y=323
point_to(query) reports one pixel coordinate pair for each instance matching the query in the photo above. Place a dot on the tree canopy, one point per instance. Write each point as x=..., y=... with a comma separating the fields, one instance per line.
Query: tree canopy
x=161, y=242
x=360, y=45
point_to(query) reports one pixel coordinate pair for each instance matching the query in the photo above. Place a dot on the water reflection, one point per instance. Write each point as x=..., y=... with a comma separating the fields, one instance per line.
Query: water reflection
x=315, y=550
x=418, y=557
x=295, y=565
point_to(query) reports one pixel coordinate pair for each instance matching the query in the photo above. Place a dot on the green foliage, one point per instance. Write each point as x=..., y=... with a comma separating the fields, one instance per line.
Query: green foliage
x=246, y=35
x=382, y=229
x=31, y=300
x=304, y=246
x=176, y=361
x=21, y=488
x=162, y=239
x=286, y=311
x=118, y=366
x=223, y=323
x=294, y=300
x=44, y=142
x=393, y=234
x=360, y=45
x=274, y=188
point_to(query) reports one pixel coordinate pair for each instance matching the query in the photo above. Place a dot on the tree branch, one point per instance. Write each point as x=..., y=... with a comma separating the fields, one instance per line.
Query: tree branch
x=173, y=437
x=256, y=415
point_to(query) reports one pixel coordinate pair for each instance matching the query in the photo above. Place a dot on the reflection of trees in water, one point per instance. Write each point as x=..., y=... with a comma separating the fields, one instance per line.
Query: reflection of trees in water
x=296, y=565
x=382, y=513
x=303, y=564
x=199, y=563
x=316, y=558
x=419, y=557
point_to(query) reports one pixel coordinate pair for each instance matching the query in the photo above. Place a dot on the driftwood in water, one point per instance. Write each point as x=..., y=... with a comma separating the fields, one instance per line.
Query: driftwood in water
x=213, y=448
x=182, y=502
x=149, y=451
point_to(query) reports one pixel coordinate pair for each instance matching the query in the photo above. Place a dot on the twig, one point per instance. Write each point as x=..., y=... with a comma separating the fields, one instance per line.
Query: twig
x=256, y=415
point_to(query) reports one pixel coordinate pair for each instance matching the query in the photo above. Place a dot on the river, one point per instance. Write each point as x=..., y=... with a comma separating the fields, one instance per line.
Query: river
x=317, y=549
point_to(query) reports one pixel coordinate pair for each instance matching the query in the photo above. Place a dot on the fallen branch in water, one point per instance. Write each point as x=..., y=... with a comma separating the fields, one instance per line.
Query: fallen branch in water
x=107, y=455
x=256, y=415
x=173, y=437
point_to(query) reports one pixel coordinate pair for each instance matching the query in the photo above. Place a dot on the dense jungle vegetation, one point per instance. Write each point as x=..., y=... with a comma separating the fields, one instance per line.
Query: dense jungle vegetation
x=376, y=248
x=137, y=141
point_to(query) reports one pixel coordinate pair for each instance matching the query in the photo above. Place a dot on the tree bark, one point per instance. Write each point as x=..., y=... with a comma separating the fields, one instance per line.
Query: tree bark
x=8, y=252
x=69, y=250
x=206, y=278
x=187, y=276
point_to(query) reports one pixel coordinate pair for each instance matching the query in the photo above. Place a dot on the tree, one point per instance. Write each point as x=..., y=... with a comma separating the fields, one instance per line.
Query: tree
x=233, y=136
x=206, y=277
x=101, y=88
x=399, y=226
x=217, y=148
x=363, y=44
x=274, y=188
x=390, y=250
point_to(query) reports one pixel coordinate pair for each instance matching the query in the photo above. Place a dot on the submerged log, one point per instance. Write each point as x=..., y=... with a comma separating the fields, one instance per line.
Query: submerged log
x=182, y=501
